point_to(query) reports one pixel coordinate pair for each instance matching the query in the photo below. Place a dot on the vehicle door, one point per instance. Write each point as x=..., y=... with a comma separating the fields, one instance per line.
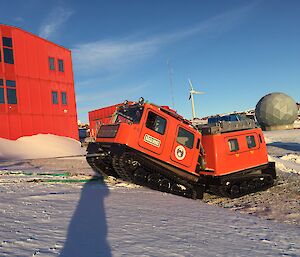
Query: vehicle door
x=184, y=147
x=153, y=133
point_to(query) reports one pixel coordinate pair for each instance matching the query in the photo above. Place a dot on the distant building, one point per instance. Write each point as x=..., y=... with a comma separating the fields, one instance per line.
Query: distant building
x=36, y=86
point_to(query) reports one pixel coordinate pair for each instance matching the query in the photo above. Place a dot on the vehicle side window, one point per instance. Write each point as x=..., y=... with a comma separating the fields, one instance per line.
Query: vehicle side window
x=185, y=138
x=233, y=145
x=251, y=141
x=156, y=123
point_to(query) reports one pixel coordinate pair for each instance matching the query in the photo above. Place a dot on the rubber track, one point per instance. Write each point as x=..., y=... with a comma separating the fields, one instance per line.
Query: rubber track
x=105, y=171
x=119, y=164
x=173, y=179
x=119, y=168
x=225, y=191
x=91, y=162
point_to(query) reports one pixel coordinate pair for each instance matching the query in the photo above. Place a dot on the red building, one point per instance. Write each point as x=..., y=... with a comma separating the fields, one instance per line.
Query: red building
x=36, y=86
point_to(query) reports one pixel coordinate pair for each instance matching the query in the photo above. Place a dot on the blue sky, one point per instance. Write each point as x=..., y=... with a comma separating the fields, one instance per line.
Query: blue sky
x=236, y=51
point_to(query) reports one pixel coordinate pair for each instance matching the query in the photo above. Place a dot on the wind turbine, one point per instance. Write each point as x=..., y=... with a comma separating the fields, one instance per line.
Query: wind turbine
x=192, y=93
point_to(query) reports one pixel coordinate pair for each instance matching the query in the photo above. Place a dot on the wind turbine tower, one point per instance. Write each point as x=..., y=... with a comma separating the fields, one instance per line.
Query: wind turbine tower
x=192, y=93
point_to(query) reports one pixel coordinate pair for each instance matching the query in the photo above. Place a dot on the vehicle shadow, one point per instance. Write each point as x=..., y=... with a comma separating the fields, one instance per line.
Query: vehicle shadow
x=87, y=230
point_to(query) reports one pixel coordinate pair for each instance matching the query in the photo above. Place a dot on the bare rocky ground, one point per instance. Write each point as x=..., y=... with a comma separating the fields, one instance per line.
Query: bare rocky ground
x=280, y=203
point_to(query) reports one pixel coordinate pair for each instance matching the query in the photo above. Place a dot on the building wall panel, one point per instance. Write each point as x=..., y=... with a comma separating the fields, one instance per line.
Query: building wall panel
x=26, y=124
x=15, y=129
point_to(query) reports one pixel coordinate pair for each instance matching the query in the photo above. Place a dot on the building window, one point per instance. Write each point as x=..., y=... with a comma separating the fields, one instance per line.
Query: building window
x=61, y=65
x=10, y=83
x=2, y=100
x=185, y=138
x=7, y=41
x=51, y=63
x=54, y=97
x=11, y=92
x=7, y=50
x=156, y=123
x=11, y=96
x=233, y=145
x=64, y=98
x=251, y=141
x=8, y=55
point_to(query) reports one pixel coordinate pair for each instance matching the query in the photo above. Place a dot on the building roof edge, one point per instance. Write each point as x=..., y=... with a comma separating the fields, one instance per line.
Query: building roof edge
x=32, y=34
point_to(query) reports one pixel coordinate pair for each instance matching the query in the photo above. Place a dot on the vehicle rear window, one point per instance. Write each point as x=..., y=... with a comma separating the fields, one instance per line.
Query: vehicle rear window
x=251, y=141
x=156, y=123
x=185, y=138
x=233, y=145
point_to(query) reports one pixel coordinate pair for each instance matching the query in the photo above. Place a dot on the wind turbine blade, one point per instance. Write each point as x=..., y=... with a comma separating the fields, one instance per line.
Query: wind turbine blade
x=190, y=96
x=198, y=93
x=191, y=85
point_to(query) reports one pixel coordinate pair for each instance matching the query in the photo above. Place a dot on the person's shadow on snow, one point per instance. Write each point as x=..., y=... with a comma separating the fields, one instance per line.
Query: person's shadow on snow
x=87, y=230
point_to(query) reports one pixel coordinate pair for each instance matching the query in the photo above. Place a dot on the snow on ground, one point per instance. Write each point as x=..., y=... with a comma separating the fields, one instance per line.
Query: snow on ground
x=39, y=146
x=40, y=216
x=284, y=149
x=90, y=219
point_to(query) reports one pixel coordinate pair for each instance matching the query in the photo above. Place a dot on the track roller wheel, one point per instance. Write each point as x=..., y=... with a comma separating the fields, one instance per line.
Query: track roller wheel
x=269, y=181
x=140, y=176
x=251, y=186
x=129, y=162
x=244, y=189
x=189, y=193
x=198, y=192
x=259, y=183
x=176, y=189
x=234, y=191
x=153, y=181
x=165, y=185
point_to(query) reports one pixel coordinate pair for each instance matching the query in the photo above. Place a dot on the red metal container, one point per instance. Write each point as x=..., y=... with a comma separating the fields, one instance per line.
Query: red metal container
x=36, y=86
x=100, y=117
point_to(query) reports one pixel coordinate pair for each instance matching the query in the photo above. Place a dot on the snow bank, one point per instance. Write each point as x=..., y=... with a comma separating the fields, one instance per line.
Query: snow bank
x=285, y=164
x=287, y=153
x=39, y=146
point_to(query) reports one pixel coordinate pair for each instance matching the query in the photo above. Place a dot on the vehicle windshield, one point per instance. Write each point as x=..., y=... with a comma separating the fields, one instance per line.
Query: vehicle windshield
x=129, y=114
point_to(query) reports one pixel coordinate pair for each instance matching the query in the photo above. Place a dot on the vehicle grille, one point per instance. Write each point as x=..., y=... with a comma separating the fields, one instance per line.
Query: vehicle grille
x=108, y=131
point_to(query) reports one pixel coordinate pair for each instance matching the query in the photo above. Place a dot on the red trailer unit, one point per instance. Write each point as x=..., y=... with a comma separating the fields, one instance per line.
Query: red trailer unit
x=36, y=86
x=100, y=117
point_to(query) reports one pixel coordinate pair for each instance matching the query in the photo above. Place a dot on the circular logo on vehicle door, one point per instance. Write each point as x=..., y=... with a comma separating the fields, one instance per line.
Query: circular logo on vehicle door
x=180, y=152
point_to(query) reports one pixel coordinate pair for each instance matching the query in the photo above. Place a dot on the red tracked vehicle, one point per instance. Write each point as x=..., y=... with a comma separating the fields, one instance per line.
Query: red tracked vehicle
x=154, y=146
